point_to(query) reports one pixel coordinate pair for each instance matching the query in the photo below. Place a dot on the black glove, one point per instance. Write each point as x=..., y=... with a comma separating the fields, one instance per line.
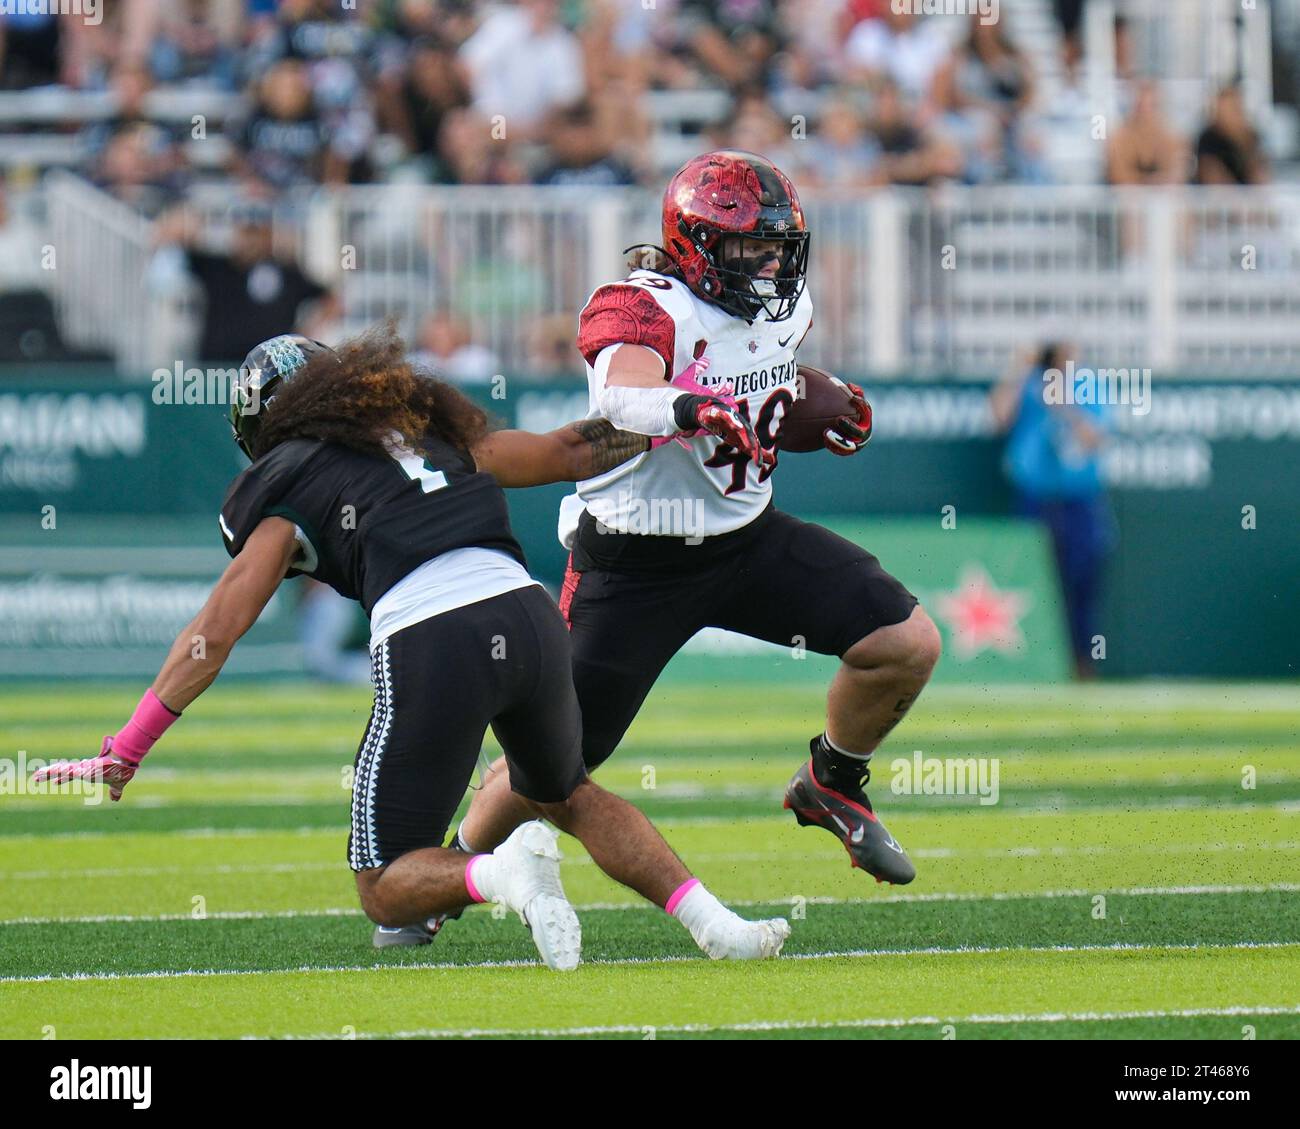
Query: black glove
x=707, y=413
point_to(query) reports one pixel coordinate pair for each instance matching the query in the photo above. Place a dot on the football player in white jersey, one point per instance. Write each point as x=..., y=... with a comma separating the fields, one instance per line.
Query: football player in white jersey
x=693, y=350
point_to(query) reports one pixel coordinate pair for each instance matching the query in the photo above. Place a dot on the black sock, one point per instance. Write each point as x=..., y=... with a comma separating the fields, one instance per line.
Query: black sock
x=836, y=768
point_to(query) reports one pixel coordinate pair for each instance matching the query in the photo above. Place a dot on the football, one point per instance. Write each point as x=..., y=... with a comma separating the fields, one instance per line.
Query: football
x=819, y=404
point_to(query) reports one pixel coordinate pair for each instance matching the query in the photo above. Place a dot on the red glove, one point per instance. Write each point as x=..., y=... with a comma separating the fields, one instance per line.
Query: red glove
x=851, y=433
x=726, y=421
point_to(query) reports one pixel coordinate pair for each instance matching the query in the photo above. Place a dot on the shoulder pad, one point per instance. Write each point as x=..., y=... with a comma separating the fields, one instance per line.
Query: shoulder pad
x=633, y=312
x=260, y=487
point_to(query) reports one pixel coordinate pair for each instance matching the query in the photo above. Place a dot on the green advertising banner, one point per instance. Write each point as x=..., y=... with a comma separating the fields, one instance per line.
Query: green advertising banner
x=105, y=448
x=989, y=584
x=97, y=596
x=1205, y=488
x=1204, y=483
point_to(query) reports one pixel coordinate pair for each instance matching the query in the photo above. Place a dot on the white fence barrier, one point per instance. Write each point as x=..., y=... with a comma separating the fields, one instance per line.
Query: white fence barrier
x=1193, y=281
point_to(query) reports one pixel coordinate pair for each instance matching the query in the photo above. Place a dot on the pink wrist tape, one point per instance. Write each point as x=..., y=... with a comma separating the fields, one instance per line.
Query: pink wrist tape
x=149, y=722
x=677, y=895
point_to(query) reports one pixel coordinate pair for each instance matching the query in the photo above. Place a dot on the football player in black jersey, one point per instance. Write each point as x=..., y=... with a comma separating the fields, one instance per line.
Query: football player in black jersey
x=386, y=485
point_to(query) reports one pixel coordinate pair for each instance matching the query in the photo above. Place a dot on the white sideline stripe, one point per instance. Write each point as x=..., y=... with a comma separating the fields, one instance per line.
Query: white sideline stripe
x=993, y=852
x=970, y=950
x=1052, y=808
x=1286, y=846
x=951, y=896
x=157, y=803
x=808, y=1024
x=157, y=871
x=303, y=831
x=1052, y=802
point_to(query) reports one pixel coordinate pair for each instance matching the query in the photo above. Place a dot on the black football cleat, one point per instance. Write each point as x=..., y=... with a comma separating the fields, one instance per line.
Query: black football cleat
x=827, y=792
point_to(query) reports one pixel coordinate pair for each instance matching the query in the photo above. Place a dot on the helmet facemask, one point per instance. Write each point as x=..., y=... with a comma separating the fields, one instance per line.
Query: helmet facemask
x=762, y=274
x=253, y=392
x=758, y=273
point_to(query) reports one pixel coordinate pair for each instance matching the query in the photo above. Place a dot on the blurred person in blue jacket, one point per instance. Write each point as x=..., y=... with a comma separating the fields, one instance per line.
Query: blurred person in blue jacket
x=1057, y=431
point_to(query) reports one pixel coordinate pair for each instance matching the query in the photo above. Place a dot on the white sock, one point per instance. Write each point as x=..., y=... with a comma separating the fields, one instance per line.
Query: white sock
x=460, y=843
x=697, y=909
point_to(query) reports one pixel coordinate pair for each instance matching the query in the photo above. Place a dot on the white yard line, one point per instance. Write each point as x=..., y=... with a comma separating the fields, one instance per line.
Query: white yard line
x=1051, y=807
x=648, y=1030
x=971, y=950
x=57, y=873
x=947, y=896
x=696, y=857
x=1048, y=800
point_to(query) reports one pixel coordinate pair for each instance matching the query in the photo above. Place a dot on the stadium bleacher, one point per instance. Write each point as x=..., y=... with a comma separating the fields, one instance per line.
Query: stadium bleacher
x=510, y=262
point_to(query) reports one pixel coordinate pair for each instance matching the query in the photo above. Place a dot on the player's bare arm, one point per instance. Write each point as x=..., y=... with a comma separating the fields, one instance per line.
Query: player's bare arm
x=636, y=366
x=195, y=659
x=245, y=588
x=578, y=450
x=602, y=446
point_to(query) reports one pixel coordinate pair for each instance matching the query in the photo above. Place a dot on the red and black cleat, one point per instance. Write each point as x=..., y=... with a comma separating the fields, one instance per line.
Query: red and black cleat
x=828, y=793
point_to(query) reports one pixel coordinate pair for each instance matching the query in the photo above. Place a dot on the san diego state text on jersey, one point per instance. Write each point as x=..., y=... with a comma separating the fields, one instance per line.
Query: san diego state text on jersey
x=703, y=347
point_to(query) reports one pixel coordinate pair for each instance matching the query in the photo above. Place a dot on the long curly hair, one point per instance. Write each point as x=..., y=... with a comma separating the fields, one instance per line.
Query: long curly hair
x=362, y=394
x=647, y=256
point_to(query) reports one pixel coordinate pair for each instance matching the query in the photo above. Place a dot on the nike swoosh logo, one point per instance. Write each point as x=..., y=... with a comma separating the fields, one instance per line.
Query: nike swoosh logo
x=786, y=342
x=858, y=833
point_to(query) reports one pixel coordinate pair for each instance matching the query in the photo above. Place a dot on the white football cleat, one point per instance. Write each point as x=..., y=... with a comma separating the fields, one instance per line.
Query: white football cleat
x=738, y=939
x=524, y=874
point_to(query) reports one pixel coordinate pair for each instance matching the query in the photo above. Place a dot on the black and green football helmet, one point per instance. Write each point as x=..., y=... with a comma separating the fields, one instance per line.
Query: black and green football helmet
x=265, y=369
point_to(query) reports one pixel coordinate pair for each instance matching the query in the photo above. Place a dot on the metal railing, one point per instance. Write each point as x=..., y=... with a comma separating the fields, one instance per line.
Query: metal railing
x=102, y=252
x=1193, y=281
x=1191, y=48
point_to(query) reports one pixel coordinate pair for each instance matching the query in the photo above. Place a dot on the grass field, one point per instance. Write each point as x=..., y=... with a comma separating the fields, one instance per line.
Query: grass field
x=1128, y=882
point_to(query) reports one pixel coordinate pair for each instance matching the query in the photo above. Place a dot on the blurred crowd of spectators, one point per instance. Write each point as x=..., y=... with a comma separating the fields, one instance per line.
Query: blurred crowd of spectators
x=552, y=92
x=1147, y=149
x=262, y=97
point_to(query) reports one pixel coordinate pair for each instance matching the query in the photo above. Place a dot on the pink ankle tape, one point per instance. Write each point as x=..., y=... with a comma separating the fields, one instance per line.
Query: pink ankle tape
x=149, y=722
x=677, y=895
x=469, y=879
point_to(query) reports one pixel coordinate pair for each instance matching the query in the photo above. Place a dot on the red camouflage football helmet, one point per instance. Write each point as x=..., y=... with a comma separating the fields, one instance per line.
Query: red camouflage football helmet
x=718, y=209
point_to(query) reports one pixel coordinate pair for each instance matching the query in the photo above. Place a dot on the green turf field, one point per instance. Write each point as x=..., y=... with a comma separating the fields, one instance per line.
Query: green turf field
x=1139, y=876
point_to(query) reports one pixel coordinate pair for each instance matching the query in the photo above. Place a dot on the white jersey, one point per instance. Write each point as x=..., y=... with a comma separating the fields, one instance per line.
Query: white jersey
x=688, y=487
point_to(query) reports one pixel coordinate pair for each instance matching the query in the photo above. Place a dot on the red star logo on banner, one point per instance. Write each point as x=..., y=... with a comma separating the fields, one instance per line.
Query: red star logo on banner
x=979, y=617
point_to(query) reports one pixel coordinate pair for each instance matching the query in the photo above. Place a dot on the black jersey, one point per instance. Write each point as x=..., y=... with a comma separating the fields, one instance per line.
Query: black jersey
x=369, y=520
